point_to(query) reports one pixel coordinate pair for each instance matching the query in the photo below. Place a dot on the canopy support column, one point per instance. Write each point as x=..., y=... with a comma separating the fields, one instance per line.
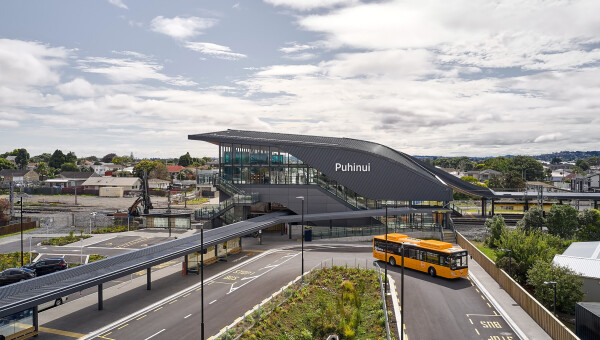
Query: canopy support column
x=100, y=297
x=149, y=278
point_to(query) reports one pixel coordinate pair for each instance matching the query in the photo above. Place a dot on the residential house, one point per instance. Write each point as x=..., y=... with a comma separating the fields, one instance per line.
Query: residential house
x=12, y=159
x=174, y=170
x=586, y=183
x=487, y=174
x=127, y=183
x=155, y=183
x=19, y=176
x=67, y=179
x=103, y=168
x=584, y=259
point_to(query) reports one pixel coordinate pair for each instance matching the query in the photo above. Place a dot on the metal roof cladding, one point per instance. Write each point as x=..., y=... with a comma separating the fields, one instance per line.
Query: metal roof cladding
x=425, y=171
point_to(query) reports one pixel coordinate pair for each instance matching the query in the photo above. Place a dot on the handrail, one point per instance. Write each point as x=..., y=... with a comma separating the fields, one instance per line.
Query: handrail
x=387, y=321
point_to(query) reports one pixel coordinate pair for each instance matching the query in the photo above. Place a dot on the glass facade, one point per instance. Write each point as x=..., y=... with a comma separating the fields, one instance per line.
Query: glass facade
x=251, y=164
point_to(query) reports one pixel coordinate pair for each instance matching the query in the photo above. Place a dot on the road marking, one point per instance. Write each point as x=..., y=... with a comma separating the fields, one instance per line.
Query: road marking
x=489, y=305
x=233, y=289
x=495, y=313
x=477, y=290
x=197, y=287
x=155, y=334
x=141, y=317
x=213, y=301
x=255, y=251
x=157, y=309
x=482, y=315
x=125, y=325
x=483, y=297
x=471, y=321
x=186, y=295
x=59, y=332
x=187, y=316
x=477, y=331
x=172, y=302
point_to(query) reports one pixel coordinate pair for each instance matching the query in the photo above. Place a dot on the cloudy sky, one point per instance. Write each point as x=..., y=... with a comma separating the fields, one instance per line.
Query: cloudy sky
x=456, y=77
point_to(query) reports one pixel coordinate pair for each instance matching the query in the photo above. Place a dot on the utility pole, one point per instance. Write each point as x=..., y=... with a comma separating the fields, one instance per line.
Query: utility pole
x=11, y=199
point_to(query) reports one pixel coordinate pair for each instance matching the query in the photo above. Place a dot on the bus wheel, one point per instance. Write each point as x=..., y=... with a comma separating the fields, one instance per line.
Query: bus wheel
x=432, y=271
x=392, y=261
x=58, y=302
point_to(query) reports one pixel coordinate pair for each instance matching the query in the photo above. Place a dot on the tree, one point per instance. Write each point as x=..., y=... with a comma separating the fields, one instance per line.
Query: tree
x=589, y=225
x=4, y=164
x=144, y=165
x=594, y=160
x=582, y=164
x=496, y=227
x=71, y=158
x=57, y=159
x=562, y=221
x=568, y=285
x=43, y=170
x=91, y=158
x=22, y=158
x=108, y=157
x=69, y=167
x=527, y=247
x=123, y=160
x=185, y=160
x=533, y=219
x=160, y=171
x=556, y=160
x=45, y=157
x=548, y=173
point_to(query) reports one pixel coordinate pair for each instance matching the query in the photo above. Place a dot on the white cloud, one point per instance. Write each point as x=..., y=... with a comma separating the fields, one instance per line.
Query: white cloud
x=24, y=63
x=288, y=70
x=181, y=28
x=214, y=50
x=306, y=5
x=130, y=69
x=5, y=124
x=77, y=87
x=551, y=137
x=118, y=3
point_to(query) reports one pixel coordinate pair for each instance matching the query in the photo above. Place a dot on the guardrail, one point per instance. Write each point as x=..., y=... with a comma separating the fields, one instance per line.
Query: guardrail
x=381, y=285
x=536, y=310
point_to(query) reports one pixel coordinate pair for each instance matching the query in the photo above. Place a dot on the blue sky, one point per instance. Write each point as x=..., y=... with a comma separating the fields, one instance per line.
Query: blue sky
x=430, y=77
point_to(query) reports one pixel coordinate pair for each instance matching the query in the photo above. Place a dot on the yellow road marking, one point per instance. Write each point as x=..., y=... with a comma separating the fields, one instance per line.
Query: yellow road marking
x=141, y=317
x=255, y=251
x=483, y=297
x=59, y=332
x=186, y=295
x=199, y=289
x=125, y=325
x=173, y=301
x=157, y=309
x=477, y=290
x=495, y=313
x=489, y=305
x=477, y=331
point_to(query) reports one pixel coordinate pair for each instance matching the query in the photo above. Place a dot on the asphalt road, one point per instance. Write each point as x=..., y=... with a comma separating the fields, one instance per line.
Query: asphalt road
x=435, y=308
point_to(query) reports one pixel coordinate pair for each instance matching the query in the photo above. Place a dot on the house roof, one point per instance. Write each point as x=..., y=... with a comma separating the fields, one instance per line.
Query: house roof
x=11, y=158
x=585, y=267
x=111, y=181
x=174, y=168
x=158, y=181
x=13, y=172
x=77, y=174
x=582, y=257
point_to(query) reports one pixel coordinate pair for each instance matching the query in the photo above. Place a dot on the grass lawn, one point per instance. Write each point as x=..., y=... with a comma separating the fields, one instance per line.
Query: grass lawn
x=13, y=260
x=338, y=300
x=491, y=253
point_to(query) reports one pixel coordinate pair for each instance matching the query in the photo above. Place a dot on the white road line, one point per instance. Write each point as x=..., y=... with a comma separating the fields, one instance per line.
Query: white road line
x=110, y=238
x=155, y=334
x=233, y=289
x=187, y=316
x=131, y=316
x=213, y=301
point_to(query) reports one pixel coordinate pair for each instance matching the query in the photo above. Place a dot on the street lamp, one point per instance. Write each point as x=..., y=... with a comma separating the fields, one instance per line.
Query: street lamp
x=509, y=260
x=554, y=284
x=21, y=202
x=202, y=278
x=402, y=294
x=94, y=214
x=302, y=273
x=386, y=247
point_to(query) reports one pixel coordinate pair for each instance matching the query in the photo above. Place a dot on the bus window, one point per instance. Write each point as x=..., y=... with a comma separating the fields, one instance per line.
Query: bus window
x=412, y=253
x=432, y=258
x=459, y=260
x=444, y=261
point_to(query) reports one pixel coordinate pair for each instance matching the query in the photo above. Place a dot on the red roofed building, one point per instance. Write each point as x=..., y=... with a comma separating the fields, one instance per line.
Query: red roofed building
x=174, y=169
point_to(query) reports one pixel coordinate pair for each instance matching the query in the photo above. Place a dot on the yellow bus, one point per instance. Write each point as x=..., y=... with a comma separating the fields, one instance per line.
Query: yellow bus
x=431, y=256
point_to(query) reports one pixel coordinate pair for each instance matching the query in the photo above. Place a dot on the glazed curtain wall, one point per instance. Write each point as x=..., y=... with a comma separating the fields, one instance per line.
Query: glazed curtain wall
x=251, y=164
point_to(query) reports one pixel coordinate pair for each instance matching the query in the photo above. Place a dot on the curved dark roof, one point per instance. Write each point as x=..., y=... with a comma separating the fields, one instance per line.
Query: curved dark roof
x=409, y=181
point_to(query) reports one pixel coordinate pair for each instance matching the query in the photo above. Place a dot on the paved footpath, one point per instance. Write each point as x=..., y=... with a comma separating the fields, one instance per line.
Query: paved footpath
x=516, y=316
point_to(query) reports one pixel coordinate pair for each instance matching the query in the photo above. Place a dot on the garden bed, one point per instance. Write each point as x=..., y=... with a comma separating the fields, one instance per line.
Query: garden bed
x=114, y=229
x=63, y=240
x=338, y=300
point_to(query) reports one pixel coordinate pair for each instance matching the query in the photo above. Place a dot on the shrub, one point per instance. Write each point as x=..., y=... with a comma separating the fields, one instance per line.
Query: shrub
x=496, y=227
x=568, y=286
x=562, y=220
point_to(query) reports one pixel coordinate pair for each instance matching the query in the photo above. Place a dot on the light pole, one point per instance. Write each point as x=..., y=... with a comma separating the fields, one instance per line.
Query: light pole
x=202, y=278
x=21, y=202
x=402, y=294
x=92, y=214
x=386, y=248
x=554, y=284
x=302, y=273
x=509, y=260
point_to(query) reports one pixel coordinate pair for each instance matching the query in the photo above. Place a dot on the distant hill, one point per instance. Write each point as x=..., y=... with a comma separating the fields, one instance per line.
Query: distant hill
x=568, y=155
